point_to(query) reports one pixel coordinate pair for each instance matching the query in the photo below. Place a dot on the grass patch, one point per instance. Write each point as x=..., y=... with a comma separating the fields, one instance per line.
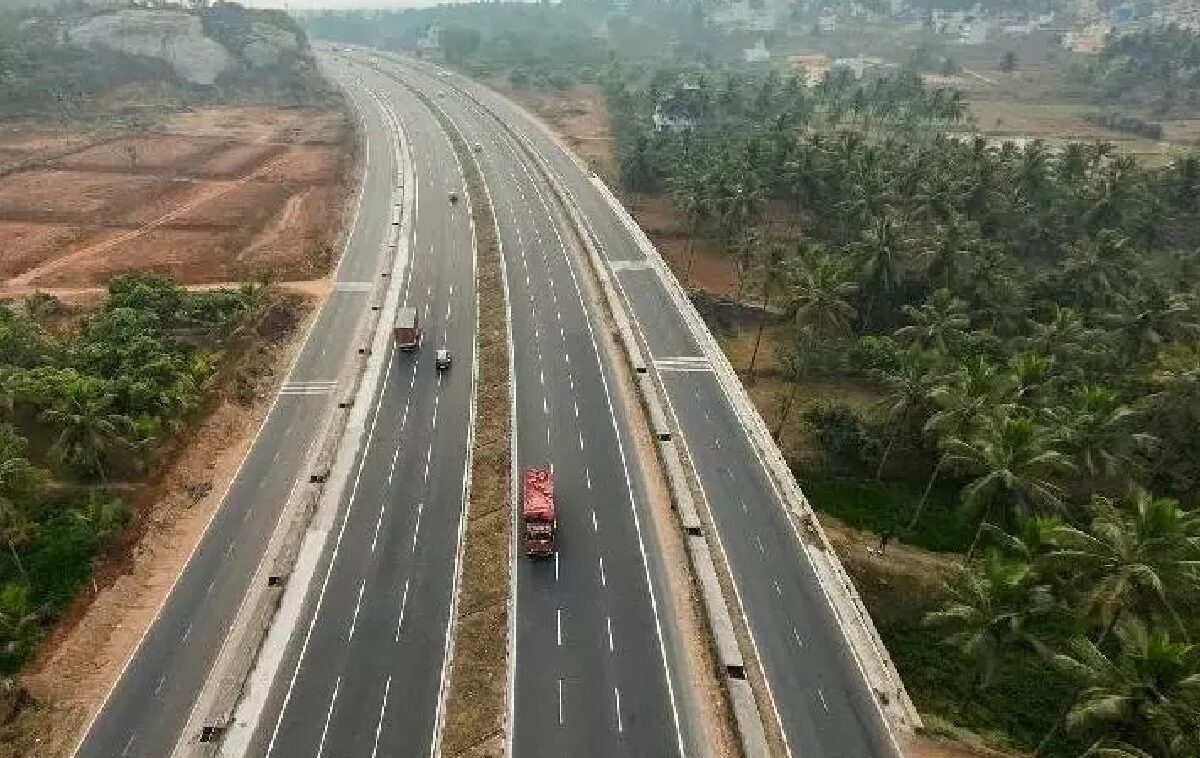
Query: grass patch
x=888, y=505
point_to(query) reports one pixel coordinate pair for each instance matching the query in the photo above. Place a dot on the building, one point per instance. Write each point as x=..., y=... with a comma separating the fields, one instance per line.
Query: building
x=429, y=41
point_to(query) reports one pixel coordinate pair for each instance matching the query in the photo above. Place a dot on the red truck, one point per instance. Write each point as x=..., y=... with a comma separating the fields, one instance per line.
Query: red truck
x=406, y=331
x=537, y=511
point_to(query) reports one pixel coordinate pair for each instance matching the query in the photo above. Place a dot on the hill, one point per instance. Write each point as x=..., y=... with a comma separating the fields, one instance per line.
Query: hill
x=76, y=59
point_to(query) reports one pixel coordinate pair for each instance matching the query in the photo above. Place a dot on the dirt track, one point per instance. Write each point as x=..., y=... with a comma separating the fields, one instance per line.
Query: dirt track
x=213, y=195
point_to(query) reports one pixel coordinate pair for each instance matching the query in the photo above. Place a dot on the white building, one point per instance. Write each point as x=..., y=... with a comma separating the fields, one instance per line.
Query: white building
x=758, y=53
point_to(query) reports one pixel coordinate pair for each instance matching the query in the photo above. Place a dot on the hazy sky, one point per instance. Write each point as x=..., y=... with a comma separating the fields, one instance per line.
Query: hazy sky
x=339, y=3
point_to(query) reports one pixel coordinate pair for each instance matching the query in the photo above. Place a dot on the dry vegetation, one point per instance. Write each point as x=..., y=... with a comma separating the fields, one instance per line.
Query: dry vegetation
x=213, y=195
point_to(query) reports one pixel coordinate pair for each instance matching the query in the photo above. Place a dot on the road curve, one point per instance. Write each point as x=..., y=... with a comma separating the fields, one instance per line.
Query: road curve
x=592, y=673
x=363, y=670
x=820, y=696
x=147, y=707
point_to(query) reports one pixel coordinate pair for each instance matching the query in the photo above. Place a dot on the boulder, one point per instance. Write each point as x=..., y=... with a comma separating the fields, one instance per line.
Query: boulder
x=175, y=37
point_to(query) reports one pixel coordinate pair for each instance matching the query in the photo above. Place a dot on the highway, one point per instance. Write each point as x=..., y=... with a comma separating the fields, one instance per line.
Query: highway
x=146, y=709
x=591, y=674
x=820, y=696
x=363, y=675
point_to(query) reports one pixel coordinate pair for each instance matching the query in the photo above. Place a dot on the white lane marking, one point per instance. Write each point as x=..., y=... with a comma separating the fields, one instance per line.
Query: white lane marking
x=581, y=440
x=403, y=604
x=417, y=526
x=587, y=476
x=576, y=404
x=378, y=523
x=428, y=458
x=556, y=565
x=545, y=406
x=558, y=621
x=158, y=685
x=187, y=632
x=595, y=524
x=759, y=542
x=608, y=628
x=328, y=717
x=382, y=709
x=560, y=701
x=823, y=703
x=229, y=548
x=362, y=585
x=796, y=636
x=617, y=696
x=778, y=589
x=395, y=456
x=128, y=744
x=603, y=580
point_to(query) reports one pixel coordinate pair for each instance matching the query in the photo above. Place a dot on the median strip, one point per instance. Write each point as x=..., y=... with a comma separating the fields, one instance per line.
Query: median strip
x=473, y=707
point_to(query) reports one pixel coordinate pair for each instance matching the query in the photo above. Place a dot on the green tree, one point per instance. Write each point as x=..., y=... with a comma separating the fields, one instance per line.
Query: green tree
x=1014, y=462
x=1140, y=558
x=819, y=297
x=88, y=430
x=906, y=395
x=938, y=324
x=988, y=613
x=1144, y=698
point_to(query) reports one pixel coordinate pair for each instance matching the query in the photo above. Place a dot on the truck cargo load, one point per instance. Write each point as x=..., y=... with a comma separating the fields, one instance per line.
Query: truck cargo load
x=538, y=523
x=406, y=331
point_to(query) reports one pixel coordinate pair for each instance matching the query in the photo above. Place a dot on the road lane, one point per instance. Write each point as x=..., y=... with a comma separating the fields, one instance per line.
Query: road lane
x=824, y=705
x=384, y=617
x=148, y=705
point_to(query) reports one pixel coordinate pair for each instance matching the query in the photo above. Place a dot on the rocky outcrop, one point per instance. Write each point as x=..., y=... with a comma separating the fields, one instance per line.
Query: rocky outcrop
x=175, y=37
x=268, y=45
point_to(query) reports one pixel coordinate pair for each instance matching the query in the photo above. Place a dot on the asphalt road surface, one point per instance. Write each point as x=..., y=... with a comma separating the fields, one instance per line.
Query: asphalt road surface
x=822, y=701
x=148, y=706
x=363, y=672
x=591, y=671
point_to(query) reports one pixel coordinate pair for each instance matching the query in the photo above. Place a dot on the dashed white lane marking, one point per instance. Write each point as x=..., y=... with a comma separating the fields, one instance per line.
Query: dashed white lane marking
x=758, y=541
x=378, y=523
x=382, y=710
x=328, y=717
x=778, y=589
x=560, y=701
x=158, y=685
x=608, y=628
x=823, y=703
x=576, y=404
x=403, y=604
x=362, y=585
x=603, y=580
x=558, y=622
x=556, y=565
x=587, y=476
x=186, y=632
x=417, y=526
x=796, y=636
x=581, y=440
x=595, y=524
x=617, y=696
x=128, y=744
x=229, y=548
x=545, y=406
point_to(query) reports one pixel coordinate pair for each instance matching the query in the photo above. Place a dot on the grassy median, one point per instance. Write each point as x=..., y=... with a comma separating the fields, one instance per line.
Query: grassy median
x=475, y=701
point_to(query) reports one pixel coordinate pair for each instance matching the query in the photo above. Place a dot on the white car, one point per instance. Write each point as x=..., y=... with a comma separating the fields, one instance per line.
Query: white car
x=441, y=359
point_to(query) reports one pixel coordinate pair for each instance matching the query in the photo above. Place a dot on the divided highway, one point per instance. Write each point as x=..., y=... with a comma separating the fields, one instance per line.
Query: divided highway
x=363, y=671
x=148, y=706
x=821, y=698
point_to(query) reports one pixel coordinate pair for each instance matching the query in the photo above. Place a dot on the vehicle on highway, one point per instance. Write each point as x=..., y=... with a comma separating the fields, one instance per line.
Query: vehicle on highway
x=441, y=359
x=477, y=147
x=453, y=198
x=406, y=330
x=538, y=523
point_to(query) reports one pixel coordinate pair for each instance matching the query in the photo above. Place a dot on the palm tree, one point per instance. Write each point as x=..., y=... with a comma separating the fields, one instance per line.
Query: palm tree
x=19, y=483
x=1014, y=461
x=907, y=388
x=1138, y=558
x=952, y=247
x=1141, y=700
x=988, y=613
x=937, y=324
x=689, y=192
x=87, y=429
x=880, y=253
x=19, y=621
x=819, y=294
x=1098, y=269
x=1099, y=434
x=1149, y=318
x=775, y=264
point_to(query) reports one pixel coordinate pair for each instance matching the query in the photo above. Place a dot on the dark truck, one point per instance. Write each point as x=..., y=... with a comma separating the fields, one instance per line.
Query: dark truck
x=406, y=331
x=537, y=512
